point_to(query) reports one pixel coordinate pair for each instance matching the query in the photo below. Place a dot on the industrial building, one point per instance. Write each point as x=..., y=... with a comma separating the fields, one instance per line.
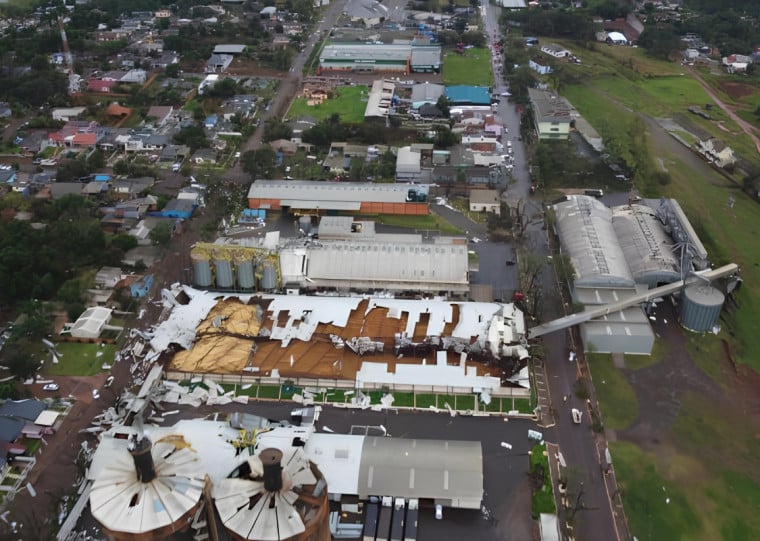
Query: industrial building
x=618, y=253
x=380, y=58
x=247, y=478
x=342, y=255
x=309, y=197
x=378, y=341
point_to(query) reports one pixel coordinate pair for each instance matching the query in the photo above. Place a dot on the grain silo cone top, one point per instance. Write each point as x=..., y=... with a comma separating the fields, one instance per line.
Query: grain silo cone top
x=139, y=493
x=250, y=511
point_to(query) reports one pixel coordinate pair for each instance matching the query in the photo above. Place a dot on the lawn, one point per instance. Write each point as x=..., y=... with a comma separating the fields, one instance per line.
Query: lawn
x=80, y=359
x=660, y=351
x=651, y=86
x=645, y=491
x=349, y=102
x=429, y=222
x=617, y=399
x=473, y=67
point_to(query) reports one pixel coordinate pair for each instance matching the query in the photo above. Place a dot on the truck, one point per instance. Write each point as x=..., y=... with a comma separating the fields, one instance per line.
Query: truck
x=384, y=522
x=370, y=521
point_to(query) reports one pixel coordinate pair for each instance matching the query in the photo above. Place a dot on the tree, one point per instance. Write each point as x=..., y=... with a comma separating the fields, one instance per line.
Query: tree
x=258, y=163
x=161, y=234
x=21, y=363
x=172, y=71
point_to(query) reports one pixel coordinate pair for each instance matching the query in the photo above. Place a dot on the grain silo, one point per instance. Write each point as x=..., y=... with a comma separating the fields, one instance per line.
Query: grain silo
x=225, y=277
x=274, y=496
x=700, y=307
x=244, y=270
x=268, y=275
x=202, y=276
x=145, y=491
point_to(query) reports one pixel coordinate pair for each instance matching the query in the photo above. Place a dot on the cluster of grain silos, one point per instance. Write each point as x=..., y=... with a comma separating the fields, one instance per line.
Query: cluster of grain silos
x=240, y=268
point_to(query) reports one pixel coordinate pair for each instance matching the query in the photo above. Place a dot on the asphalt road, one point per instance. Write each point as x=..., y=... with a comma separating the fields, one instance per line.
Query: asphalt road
x=589, y=498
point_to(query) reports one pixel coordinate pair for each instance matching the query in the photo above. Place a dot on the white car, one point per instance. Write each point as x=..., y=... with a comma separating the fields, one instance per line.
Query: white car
x=438, y=511
x=51, y=387
x=506, y=94
x=95, y=394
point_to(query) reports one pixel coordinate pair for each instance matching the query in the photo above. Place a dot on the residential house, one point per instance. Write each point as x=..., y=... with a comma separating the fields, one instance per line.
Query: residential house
x=28, y=411
x=63, y=189
x=132, y=187
x=339, y=156
x=552, y=114
x=117, y=112
x=76, y=134
x=178, y=209
x=408, y=165
x=240, y=104
x=107, y=277
x=160, y=114
x=284, y=147
x=100, y=85
x=134, y=76
x=8, y=174
x=166, y=58
x=67, y=113
x=717, y=152
x=174, y=153
x=218, y=62
x=485, y=201
x=540, y=66
x=204, y=155
x=557, y=51
x=736, y=63
x=300, y=125
x=210, y=122
x=280, y=42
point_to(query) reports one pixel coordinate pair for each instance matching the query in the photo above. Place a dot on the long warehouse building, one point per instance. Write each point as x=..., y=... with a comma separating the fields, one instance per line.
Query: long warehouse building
x=311, y=197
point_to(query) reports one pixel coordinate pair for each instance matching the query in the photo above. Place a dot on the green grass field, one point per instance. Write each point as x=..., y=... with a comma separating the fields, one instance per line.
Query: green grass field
x=428, y=222
x=471, y=68
x=617, y=399
x=349, y=102
x=80, y=359
x=713, y=489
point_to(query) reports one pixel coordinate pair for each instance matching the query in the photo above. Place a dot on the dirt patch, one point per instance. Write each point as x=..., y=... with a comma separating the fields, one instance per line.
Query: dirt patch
x=737, y=90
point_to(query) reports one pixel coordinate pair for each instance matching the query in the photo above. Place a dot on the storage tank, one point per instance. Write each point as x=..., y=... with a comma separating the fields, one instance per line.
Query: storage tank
x=162, y=484
x=268, y=276
x=225, y=278
x=201, y=269
x=277, y=495
x=244, y=271
x=700, y=307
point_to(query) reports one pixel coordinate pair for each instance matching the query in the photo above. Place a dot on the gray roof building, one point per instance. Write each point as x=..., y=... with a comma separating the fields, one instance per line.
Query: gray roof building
x=380, y=262
x=426, y=58
x=584, y=225
x=28, y=409
x=446, y=471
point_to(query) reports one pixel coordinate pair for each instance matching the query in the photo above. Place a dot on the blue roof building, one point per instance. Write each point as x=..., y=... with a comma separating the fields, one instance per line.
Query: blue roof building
x=177, y=208
x=468, y=95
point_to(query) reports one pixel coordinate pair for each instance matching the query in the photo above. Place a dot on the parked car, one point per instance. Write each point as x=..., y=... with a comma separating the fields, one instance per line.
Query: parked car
x=51, y=387
x=438, y=511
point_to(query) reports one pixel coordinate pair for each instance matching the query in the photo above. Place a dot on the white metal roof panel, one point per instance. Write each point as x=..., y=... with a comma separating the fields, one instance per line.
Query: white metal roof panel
x=338, y=457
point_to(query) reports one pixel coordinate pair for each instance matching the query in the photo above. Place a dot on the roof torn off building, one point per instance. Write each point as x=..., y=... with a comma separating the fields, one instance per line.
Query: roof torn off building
x=324, y=336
